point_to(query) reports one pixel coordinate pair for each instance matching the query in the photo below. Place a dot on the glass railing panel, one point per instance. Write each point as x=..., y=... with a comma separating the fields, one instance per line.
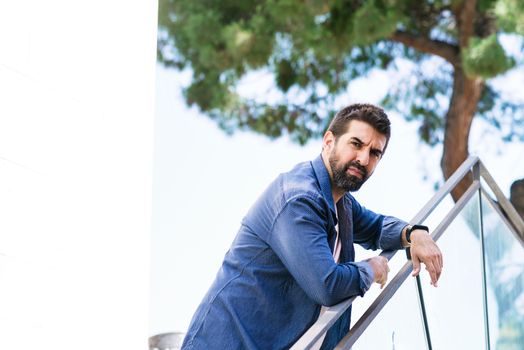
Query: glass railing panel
x=504, y=255
x=398, y=325
x=361, y=304
x=455, y=310
x=399, y=259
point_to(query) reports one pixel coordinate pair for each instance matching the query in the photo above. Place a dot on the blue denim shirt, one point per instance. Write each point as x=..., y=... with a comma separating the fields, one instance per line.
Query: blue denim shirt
x=280, y=269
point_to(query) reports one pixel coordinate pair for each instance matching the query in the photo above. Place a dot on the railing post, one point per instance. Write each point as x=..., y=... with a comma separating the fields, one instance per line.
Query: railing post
x=475, y=170
x=516, y=221
x=166, y=341
x=476, y=175
x=423, y=313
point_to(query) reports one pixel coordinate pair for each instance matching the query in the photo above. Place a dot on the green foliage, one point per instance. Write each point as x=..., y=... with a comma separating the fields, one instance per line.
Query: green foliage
x=299, y=123
x=510, y=15
x=419, y=97
x=506, y=116
x=315, y=48
x=372, y=23
x=486, y=58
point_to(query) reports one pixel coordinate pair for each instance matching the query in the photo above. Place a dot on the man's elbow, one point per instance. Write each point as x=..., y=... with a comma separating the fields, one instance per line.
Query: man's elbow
x=331, y=302
x=328, y=298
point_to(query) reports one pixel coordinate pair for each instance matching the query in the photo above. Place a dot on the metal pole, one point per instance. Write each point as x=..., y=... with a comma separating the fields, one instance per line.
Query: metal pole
x=423, y=313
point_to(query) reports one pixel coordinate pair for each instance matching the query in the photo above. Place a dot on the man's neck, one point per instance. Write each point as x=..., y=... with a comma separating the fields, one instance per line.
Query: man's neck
x=336, y=192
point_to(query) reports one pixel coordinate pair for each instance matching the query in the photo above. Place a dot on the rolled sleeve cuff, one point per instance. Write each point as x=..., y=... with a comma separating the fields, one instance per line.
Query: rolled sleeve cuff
x=366, y=275
x=391, y=237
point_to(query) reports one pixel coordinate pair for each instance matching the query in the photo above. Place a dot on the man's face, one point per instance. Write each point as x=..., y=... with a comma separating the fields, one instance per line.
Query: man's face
x=354, y=155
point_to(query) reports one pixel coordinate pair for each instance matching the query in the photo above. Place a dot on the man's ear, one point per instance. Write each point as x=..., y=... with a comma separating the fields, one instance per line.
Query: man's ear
x=328, y=142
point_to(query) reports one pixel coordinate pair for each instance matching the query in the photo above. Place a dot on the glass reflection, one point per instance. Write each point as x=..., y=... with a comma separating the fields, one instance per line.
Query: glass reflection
x=398, y=325
x=361, y=304
x=505, y=281
x=455, y=308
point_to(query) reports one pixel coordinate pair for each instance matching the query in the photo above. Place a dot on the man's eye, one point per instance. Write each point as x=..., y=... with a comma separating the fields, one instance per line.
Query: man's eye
x=356, y=144
x=376, y=154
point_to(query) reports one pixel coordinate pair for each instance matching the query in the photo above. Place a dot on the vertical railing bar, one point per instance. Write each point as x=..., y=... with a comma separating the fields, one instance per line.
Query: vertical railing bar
x=420, y=295
x=483, y=269
x=475, y=170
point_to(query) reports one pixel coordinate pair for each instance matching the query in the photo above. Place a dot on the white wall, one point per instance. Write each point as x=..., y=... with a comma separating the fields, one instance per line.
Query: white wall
x=76, y=147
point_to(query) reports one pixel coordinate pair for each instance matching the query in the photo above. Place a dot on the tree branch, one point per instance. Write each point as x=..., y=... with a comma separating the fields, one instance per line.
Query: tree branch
x=439, y=48
x=466, y=17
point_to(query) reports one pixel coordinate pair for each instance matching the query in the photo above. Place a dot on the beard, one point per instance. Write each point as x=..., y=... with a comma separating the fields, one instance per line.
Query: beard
x=342, y=179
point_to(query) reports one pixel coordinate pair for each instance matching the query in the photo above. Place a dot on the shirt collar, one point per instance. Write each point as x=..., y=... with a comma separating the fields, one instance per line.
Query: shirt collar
x=324, y=180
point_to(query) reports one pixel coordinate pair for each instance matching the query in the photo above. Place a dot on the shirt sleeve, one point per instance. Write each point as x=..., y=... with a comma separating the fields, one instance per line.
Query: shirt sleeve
x=366, y=274
x=300, y=239
x=391, y=236
x=374, y=231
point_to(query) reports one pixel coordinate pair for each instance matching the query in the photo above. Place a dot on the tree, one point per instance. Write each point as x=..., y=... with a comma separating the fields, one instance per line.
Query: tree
x=314, y=48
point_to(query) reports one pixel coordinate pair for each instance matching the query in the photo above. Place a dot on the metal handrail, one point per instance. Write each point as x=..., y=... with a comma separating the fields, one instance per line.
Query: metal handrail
x=508, y=209
x=332, y=314
x=503, y=216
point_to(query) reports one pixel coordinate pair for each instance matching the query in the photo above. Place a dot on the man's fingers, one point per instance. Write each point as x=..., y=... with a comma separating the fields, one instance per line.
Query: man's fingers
x=439, y=270
x=380, y=267
x=384, y=280
x=432, y=273
x=385, y=273
x=436, y=257
x=424, y=250
x=416, y=265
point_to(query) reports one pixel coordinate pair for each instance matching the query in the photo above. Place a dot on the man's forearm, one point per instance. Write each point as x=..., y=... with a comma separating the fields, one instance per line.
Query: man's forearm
x=391, y=235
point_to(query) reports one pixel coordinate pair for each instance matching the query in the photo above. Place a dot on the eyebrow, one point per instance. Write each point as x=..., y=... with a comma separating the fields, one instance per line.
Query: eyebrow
x=354, y=138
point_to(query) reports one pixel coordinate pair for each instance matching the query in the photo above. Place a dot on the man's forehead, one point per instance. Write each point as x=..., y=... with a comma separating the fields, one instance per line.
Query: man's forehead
x=355, y=125
x=364, y=131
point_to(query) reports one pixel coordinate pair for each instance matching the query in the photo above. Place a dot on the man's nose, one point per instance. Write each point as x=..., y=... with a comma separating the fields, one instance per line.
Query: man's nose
x=363, y=158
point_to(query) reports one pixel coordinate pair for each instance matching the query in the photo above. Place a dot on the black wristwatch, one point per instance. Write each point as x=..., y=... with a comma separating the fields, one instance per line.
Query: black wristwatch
x=408, y=237
x=412, y=228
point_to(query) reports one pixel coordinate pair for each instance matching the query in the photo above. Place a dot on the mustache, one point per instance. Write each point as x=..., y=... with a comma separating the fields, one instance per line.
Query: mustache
x=358, y=166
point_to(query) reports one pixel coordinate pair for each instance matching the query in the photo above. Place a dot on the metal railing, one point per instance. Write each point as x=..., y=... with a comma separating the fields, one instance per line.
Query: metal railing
x=166, y=341
x=472, y=166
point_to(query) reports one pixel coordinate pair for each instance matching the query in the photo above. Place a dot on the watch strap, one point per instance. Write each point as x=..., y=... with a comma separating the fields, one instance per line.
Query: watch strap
x=413, y=228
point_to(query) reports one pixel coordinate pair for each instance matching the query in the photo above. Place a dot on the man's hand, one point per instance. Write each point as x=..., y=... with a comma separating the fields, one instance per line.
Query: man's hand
x=425, y=250
x=380, y=268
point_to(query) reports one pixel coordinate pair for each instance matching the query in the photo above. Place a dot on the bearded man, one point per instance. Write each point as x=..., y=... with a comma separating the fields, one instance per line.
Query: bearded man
x=293, y=255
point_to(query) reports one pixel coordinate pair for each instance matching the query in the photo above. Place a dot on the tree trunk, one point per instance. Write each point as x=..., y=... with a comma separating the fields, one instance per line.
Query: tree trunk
x=517, y=196
x=462, y=108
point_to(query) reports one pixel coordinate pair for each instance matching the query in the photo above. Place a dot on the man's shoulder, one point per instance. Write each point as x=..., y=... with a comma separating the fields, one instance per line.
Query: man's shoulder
x=300, y=182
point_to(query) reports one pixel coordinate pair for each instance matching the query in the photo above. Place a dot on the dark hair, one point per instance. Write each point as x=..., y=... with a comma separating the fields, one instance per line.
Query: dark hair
x=368, y=113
